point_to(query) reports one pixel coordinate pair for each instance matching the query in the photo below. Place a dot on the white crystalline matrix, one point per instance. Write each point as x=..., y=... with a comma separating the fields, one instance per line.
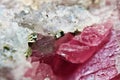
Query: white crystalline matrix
x=13, y=45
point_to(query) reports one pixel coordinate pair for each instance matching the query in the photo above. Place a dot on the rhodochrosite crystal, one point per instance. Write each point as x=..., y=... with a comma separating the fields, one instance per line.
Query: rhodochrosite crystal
x=95, y=35
x=67, y=37
x=40, y=71
x=104, y=65
x=76, y=53
x=43, y=49
x=80, y=48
